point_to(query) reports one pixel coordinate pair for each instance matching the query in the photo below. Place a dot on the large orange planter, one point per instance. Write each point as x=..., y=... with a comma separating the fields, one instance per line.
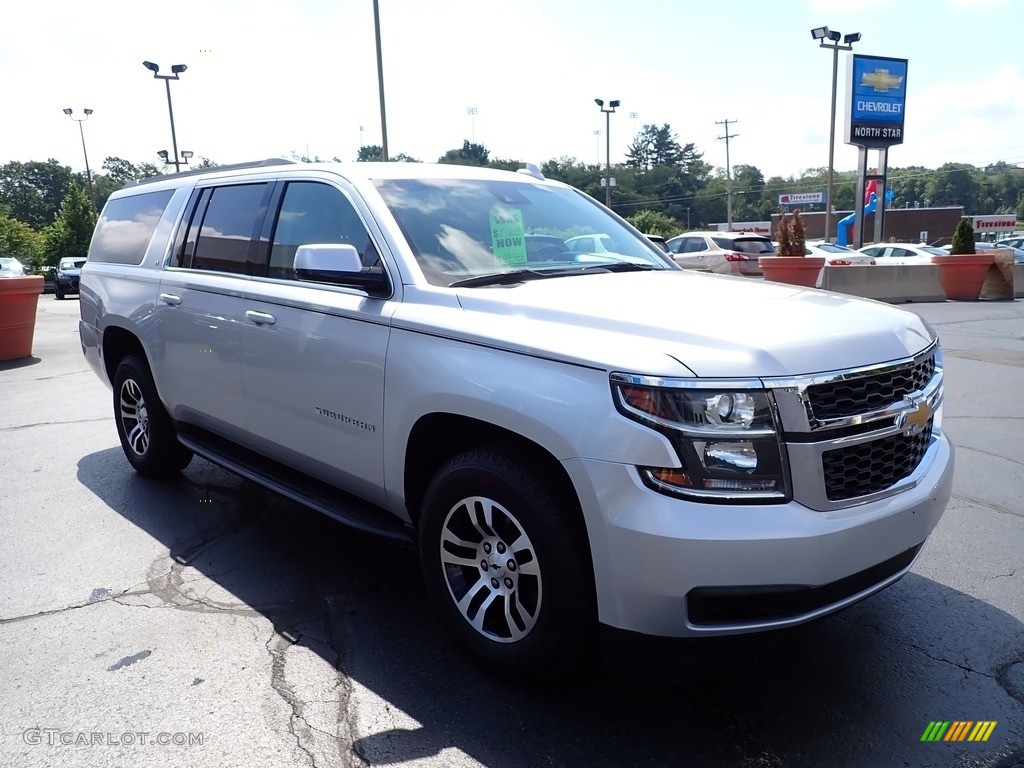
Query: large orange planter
x=18, y=299
x=963, y=274
x=795, y=270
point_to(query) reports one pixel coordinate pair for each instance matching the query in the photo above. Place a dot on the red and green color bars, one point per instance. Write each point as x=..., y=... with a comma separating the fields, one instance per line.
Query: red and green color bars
x=958, y=730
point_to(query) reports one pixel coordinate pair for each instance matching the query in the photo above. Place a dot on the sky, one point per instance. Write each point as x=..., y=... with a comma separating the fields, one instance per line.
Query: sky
x=269, y=78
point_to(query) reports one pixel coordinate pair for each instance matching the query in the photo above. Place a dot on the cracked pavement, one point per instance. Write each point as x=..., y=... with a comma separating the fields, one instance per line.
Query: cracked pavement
x=206, y=606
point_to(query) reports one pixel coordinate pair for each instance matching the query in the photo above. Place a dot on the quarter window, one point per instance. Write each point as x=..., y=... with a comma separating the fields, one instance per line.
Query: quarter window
x=126, y=227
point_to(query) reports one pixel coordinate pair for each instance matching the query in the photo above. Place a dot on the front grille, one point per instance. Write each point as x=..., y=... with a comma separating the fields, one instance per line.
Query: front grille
x=709, y=606
x=842, y=399
x=858, y=470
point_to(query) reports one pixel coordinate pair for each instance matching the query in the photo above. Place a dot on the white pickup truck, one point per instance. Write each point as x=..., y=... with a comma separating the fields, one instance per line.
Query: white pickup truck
x=570, y=439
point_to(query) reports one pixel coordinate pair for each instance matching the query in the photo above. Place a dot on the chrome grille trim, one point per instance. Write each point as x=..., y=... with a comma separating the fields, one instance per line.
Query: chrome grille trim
x=794, y=402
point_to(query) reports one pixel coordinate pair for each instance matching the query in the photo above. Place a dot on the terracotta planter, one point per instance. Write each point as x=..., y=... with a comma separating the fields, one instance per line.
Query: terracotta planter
x=795, y=270
x=963, y=274
x=18, y=299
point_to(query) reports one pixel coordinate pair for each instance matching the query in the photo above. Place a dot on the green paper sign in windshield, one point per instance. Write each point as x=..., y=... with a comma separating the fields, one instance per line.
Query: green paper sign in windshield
x=507, y=241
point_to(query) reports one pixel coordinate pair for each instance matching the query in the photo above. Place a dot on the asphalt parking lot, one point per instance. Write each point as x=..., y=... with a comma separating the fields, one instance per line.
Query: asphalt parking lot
x=206, y=622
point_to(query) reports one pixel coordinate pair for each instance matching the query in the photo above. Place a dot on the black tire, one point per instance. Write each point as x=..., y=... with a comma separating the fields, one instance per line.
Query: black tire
x=57, y=293
x=525, y=578
x=146, y=431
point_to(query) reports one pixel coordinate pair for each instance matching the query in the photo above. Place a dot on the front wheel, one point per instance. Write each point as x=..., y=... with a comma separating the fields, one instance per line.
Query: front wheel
x=504, y=558
x=146, y=431
x=58, y=294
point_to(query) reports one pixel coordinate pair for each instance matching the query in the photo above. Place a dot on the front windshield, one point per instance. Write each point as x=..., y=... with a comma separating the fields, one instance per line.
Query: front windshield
x=71, y=263
x=466, y=228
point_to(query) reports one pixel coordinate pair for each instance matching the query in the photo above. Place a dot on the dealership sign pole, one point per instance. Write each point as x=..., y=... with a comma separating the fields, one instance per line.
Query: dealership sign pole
x=875, y=109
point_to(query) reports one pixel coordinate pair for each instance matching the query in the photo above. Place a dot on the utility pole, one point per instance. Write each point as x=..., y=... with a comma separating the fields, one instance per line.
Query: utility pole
x=728, y=168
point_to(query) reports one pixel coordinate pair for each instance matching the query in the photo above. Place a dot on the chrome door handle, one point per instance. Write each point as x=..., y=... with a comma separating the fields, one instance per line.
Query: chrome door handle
x=261, y=318
x=170, y=298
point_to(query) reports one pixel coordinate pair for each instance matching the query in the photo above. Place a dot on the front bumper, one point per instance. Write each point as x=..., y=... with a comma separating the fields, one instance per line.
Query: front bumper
x=675, y=568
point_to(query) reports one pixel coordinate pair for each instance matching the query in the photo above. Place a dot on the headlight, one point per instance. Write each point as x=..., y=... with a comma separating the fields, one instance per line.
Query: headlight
x=726, y=436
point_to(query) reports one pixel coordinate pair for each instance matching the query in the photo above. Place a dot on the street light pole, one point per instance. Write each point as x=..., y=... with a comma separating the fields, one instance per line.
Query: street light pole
x=822, y=34
x=176, y=70
x=608, y=147
x=380, y=84
x=88, y=173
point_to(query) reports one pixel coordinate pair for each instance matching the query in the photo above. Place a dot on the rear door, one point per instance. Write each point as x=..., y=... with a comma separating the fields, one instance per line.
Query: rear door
x=200, y=309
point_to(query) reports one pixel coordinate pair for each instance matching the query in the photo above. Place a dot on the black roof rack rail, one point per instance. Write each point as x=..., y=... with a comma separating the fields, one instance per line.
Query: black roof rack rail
x=212, y=169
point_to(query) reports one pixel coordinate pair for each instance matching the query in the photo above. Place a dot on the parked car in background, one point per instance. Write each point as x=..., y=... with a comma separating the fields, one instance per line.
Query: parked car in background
x=659, y=241
x=838, y=255
x=11, y=267
x=1013, y=242
x=68, y=272
x=1018, y=253
x=902, y=253
x=725, y=253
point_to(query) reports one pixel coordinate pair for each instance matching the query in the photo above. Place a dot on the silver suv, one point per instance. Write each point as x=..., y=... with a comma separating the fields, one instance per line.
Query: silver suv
x=725, y=253
x=571, y=440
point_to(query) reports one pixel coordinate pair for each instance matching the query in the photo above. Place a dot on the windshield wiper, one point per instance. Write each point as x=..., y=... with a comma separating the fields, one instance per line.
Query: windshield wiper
x=523, y=275
x=618, y=266
x=503, y=278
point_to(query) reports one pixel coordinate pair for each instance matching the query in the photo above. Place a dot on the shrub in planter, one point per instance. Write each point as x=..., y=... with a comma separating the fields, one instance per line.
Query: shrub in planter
x=963, y=238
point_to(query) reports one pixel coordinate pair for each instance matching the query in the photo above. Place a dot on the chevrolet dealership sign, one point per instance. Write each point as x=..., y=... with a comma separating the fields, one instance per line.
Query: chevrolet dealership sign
x=876, y=101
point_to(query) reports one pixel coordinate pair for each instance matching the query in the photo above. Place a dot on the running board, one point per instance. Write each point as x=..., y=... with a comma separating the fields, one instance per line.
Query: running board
x=295, y=485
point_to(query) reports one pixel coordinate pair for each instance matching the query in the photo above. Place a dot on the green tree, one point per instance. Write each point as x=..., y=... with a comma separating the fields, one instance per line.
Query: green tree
x=653, y=223
x=955, y=184
x=370, y=153
x=71, y=231
x=19, y=240
x=469, y=154
x=655, y=146
x=32, y=192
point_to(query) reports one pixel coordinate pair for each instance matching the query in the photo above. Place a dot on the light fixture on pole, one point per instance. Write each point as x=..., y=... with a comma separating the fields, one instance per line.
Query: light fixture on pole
x=88, y=173
x=633, y=116
x=829, y=38
x=176, y=70
x=471, y=111
x=164, y=155
x=612, y=105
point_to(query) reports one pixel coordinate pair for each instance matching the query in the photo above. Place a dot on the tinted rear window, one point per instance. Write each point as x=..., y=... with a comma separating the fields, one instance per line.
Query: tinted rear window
x=126, y=227
x=745, y=244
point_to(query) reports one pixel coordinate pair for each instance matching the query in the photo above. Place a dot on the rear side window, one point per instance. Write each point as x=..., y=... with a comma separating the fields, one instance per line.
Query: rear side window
x=226, y=241
x=126, y=227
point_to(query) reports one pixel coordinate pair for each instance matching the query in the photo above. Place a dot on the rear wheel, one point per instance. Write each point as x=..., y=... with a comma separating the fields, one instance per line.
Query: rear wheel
x=146, y=431
x=505, y=561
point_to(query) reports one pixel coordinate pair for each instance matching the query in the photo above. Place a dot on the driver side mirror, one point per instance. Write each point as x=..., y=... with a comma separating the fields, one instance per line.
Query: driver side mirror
x=338, y=264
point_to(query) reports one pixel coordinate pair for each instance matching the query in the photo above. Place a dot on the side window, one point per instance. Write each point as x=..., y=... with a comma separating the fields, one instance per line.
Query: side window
x=694, y=244
x=226, y=241
x=316, y=213
x=126, y=227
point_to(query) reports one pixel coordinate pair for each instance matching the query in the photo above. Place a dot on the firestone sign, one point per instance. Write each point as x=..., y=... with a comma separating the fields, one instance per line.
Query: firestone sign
x=994, y=223
x=798, y=198
x=876, y=101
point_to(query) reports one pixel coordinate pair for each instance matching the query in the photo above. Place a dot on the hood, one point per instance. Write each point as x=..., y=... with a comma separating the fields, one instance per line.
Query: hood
x=679, y=323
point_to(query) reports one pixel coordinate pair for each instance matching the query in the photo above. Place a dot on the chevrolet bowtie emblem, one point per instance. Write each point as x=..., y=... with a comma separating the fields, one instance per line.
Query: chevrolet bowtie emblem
x=916, y=421
x=881, y=80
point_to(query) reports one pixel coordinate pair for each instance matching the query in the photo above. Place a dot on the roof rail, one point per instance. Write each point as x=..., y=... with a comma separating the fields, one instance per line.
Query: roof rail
x=213, y=169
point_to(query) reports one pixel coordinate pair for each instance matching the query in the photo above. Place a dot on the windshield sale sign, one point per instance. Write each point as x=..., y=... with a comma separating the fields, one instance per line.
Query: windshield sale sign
x=876, y=101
